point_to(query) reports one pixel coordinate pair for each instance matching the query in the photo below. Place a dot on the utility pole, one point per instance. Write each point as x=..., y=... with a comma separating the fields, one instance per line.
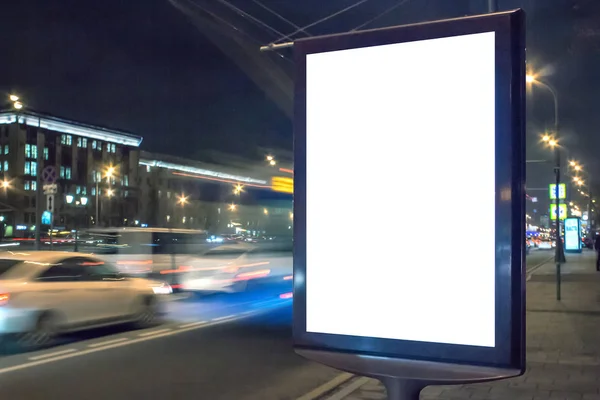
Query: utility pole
x=492, y=6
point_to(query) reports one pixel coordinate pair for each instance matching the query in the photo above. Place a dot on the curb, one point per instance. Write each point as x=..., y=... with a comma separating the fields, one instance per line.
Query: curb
x=327, y=387
x=531, y=270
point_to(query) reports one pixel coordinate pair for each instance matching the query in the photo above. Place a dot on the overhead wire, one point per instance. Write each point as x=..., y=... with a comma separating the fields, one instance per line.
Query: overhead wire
x=350, y=7
x=251, y=17
x=230, y=25
x=281, y=17
x=387, y=11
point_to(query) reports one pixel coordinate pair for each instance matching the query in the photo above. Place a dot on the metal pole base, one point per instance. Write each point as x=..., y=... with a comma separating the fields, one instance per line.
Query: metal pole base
x=401, y=389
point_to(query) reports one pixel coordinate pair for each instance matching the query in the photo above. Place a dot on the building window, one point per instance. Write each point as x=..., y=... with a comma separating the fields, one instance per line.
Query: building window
x=126, y=180
x=148, y=168
x=30, y=185
x=65, y=172
x=114, y=148
x=82, y=142
x=93, y=191
x=78, y=190
x=84, y=191
x=46, y=153
x=5, y=149
x=111, y=148
x=31, y=168
x=5, y=169
x=66, y=139
x=30, y=150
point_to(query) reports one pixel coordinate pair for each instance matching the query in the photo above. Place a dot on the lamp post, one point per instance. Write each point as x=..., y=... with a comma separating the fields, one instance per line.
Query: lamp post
x=80, y=202
x=553, y=143
x=110, y=171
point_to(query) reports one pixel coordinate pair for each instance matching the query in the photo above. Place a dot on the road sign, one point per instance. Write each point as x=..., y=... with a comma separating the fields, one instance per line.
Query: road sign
x=459, y=84
x=562, y=191
x=50, y=189
x=562, y=211
x=49, y=174
x=50, y=203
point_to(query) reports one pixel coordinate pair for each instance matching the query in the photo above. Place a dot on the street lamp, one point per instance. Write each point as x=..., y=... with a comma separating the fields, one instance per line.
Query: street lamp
x=5, y=184
x=110, y=171
x=182, y=200
x=232, y=207
x=553, y=142
x=80, y=202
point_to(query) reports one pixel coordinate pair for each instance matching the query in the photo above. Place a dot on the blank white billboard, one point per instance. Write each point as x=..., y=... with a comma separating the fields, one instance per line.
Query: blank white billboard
x=400, y=191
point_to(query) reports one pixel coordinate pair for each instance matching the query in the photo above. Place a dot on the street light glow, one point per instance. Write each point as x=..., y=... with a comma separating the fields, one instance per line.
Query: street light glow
x=13, y=97
x=110, y=171
x=238, y=189
x=270, y=158
x=110, y=192
x=182, y=199
x=232, y=207
x=545, y=138
x=530, y=78
x=272, y=162
x=18, y=105
x=5, y=184
x=552, y=142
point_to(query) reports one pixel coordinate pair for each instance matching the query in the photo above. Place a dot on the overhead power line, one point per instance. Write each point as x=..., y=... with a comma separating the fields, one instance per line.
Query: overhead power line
x=289, y=36
x=251, y=18
x=281, y=17
x=387, y=11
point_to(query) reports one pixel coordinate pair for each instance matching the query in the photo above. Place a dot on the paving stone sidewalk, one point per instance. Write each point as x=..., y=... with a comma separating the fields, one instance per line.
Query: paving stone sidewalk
x=563, y=343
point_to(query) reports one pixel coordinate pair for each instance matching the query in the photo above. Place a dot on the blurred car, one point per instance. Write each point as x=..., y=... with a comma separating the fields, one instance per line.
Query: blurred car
x=46, y=293
x=231, y=270
x=546, y=245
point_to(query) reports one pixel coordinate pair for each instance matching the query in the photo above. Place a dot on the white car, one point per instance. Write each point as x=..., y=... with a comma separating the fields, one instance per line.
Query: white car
x=232, y=274
x=546, y=245
x=45, y=293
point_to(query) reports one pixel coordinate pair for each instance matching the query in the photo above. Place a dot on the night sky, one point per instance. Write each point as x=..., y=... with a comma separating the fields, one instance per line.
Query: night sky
x=143, y=66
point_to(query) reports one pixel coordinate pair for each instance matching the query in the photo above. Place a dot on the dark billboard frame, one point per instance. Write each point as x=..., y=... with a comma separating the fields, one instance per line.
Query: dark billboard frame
x=509, y=352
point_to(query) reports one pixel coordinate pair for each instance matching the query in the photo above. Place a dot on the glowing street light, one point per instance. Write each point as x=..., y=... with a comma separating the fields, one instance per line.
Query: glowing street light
x=13, y=97
x=110, y=192
x=238, y=189
x=232, y=207
x=546, y=138
x=5, y=184
x=110, y=172
x=18, y=105
x=530, y=78
x=552, y=143
x=265, y=211
x=182, y=200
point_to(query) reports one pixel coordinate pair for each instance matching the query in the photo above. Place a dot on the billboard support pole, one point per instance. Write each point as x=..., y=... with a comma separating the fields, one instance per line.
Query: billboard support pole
x=400, y=389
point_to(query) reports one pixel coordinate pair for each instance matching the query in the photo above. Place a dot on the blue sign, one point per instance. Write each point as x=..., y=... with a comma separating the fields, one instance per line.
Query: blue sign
x=46, y=218
x=573, y=235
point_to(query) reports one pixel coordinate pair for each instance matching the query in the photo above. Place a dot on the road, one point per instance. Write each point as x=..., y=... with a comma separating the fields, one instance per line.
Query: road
x=214, y=347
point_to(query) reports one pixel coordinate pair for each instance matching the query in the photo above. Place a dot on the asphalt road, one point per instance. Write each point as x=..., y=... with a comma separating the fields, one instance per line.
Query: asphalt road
x=215, y=347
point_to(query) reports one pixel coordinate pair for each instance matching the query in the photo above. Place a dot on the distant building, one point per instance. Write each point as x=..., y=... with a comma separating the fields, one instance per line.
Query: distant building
x=81, y=155
x=181, y=193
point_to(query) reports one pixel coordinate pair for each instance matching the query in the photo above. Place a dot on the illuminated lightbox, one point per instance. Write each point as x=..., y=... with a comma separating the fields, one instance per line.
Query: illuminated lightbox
x=412, y=124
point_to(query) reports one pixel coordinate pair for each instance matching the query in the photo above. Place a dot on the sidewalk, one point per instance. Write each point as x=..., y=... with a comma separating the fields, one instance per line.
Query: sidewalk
x=563, y=344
